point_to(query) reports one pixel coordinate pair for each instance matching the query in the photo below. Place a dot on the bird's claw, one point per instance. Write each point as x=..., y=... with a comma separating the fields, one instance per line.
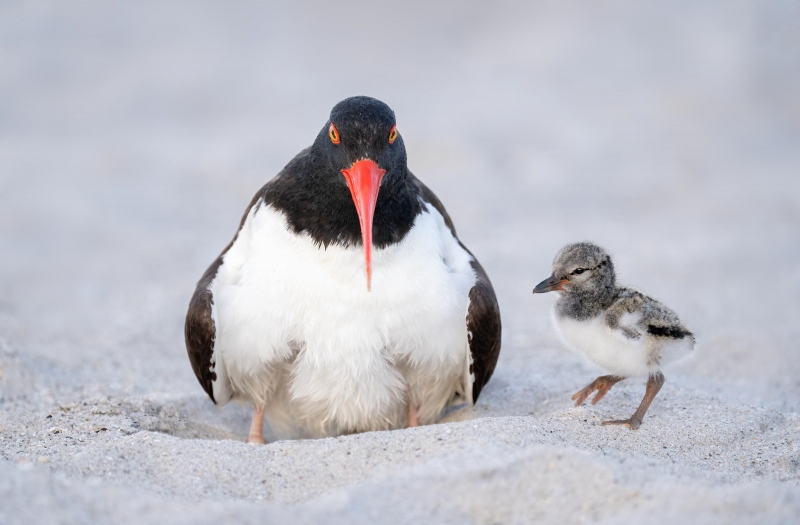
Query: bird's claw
x=631, y=423
x=601, y=384
x=583, y=395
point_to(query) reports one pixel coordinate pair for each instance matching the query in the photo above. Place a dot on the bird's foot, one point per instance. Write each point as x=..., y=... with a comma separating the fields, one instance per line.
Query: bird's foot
x=582, y=395
x=654, y=384
x=631, y=423
x=602, y=384
x=255, y=439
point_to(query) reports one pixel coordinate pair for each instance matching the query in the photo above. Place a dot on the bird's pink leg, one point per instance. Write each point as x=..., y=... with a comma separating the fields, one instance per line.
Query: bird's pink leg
x=413, y=420
x=256, y=436
x=654, y=384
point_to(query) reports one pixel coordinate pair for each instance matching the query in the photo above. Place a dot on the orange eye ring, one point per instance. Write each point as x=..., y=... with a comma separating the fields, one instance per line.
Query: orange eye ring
x=393, y=134
x=333, y=133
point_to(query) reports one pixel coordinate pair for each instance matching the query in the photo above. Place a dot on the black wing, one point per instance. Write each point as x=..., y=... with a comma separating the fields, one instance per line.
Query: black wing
x=483, y=316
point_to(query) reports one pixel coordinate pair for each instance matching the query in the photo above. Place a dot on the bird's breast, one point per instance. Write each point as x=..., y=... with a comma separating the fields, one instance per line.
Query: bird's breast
x=279, y=297
x=605, y=346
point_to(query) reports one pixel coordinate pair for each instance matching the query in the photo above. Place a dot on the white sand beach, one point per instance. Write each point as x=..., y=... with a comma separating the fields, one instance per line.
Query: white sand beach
x=132, y=138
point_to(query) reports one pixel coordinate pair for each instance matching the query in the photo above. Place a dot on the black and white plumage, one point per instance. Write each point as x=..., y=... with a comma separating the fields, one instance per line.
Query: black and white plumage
x=620, y=329
x=284, y=319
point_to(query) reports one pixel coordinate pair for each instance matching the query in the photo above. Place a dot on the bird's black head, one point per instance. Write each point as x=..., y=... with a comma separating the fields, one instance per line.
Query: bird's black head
x=353, y=185
x=362, y=128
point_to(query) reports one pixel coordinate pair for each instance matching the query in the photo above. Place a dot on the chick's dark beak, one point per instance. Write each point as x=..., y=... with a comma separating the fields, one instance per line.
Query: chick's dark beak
x=551, y=284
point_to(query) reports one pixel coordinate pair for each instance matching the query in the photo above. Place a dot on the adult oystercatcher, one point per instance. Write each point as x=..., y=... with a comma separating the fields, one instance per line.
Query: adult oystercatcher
x=345, y=302
x=622, y=330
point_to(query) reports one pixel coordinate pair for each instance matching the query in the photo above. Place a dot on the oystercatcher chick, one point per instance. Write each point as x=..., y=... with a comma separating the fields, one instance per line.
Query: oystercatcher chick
x=622, y=330
x=345, y=302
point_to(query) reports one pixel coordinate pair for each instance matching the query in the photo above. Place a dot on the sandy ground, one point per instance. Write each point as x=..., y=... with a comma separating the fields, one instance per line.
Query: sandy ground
x=132, y=138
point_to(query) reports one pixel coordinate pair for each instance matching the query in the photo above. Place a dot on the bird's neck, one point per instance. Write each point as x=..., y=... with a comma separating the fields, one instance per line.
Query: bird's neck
x=316, y=202
x=582, y=305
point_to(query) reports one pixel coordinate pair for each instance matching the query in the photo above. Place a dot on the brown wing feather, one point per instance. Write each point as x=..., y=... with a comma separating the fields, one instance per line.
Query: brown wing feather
x=483, y=315
x=483, y=323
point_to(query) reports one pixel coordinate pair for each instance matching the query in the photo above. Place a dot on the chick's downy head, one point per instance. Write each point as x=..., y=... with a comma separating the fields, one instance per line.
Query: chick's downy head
x=582, y=268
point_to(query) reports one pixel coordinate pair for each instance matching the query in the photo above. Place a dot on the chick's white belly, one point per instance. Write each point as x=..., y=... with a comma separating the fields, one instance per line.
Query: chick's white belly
x=608, y=348
x=298, y=331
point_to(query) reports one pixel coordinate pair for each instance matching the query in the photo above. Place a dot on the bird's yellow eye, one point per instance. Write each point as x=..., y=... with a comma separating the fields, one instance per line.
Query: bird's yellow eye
x=393, y=134
x=334, y=134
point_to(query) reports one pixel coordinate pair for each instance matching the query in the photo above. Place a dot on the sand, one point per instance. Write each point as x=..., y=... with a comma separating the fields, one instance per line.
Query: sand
x=131, y=140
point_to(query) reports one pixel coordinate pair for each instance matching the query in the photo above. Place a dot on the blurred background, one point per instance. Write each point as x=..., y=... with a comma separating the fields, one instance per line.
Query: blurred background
x=132, y=137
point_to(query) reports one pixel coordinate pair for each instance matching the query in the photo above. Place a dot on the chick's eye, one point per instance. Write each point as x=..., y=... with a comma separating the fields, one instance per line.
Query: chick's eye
x=393, y=134
x=578, y=271
x=334, y=134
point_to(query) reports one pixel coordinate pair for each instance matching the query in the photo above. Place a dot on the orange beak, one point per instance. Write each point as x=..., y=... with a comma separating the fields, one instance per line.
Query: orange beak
x=364, y=180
